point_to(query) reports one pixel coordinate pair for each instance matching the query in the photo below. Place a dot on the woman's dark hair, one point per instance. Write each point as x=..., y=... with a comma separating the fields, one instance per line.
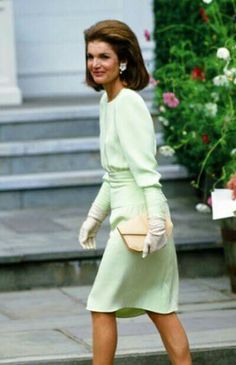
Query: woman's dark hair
x=125, y=44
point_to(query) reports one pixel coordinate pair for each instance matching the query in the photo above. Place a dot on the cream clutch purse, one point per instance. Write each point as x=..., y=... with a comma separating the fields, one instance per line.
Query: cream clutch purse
x=134, y=231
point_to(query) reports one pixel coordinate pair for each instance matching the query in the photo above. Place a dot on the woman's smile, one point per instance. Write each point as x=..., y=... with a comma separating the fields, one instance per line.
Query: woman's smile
x=98, y=73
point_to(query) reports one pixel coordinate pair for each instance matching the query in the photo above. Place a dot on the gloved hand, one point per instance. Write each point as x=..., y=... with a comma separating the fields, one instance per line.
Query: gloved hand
x=90, y=227
x=88, y=233
x=156, y=237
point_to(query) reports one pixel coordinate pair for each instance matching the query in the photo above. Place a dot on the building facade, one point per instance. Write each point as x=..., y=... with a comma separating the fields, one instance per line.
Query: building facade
x=49, y=45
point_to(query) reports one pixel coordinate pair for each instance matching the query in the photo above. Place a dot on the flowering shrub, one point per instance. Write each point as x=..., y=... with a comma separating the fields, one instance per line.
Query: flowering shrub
x=196, y=90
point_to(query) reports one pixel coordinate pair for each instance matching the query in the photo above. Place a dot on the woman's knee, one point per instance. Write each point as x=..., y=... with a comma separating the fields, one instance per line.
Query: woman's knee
x=159, y=318
x=103, y=317
x=103, y=314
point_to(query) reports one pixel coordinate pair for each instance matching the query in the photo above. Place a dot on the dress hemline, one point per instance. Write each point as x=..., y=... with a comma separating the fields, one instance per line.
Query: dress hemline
x=133, y=311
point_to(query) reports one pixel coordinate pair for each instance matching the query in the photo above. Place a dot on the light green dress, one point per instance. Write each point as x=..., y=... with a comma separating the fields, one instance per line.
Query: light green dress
x=126, y=283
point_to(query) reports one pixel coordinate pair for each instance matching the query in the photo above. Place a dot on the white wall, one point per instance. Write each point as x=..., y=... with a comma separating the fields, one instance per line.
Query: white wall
x=50, y=45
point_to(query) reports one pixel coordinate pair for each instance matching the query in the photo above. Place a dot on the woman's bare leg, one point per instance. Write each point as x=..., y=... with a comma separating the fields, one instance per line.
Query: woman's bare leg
x=173, y=337
x=104, y=338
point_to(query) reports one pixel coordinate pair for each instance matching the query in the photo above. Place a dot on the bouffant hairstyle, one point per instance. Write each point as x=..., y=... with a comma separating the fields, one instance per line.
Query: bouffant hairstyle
x=125, y=44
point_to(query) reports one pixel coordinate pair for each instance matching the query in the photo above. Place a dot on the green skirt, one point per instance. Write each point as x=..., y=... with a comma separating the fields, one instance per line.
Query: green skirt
x=126, y=283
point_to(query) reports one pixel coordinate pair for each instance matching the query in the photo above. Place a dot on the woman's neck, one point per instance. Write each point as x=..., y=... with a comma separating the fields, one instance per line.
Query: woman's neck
x=113, y=90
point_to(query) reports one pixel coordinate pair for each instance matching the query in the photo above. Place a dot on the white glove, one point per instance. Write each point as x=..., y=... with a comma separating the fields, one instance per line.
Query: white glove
x=88, y=233
x=90, y=227
x=156, y=237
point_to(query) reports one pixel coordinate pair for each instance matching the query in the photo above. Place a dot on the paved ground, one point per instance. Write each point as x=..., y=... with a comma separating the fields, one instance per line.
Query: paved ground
x=48, y=326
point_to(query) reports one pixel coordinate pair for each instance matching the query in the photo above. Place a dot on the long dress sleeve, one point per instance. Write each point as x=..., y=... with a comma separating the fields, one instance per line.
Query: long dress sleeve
x=137, y=139
x=103, y=200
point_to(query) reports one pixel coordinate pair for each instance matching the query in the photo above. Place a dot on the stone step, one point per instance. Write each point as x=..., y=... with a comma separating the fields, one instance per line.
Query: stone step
x=39, y=247
x=75, y=178
x=47, y=122
x=49, y=155
x=55, y=155
x=73, y=188
x=54, y=118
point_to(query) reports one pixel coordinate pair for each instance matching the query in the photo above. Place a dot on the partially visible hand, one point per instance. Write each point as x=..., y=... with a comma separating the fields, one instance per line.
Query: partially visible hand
x=232, y=185
x=156, y=237
x=88, y=233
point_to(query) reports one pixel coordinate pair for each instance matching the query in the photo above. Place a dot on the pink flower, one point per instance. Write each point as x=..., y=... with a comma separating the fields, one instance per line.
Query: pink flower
x=170, y=100
x=209, y=201
x=153, y=81
x=147, y=35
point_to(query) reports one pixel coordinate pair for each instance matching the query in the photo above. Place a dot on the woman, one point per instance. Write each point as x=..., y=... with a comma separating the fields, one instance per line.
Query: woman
x=128, y=283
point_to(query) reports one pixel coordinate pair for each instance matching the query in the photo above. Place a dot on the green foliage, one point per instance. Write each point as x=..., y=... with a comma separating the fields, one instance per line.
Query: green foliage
x=202, y=128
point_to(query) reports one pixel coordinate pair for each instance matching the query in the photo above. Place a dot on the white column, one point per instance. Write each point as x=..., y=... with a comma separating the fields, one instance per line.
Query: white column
x=9, y=92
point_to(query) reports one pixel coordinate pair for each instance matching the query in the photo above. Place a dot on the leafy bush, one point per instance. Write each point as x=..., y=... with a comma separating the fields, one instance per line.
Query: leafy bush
x=196, y=65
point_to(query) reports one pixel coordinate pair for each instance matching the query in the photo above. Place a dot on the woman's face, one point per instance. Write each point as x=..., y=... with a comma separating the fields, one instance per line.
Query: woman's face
x=102, y=63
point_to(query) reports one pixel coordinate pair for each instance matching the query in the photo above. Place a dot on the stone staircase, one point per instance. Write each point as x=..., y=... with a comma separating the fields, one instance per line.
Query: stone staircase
x=49, y=154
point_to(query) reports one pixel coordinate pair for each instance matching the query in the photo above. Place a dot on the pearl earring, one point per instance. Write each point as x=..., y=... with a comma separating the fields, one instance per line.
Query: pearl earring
x=123, y=67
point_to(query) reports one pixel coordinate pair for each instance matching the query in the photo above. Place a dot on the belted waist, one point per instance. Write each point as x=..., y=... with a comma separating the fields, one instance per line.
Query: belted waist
x=121, y=176
x=124, y=190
